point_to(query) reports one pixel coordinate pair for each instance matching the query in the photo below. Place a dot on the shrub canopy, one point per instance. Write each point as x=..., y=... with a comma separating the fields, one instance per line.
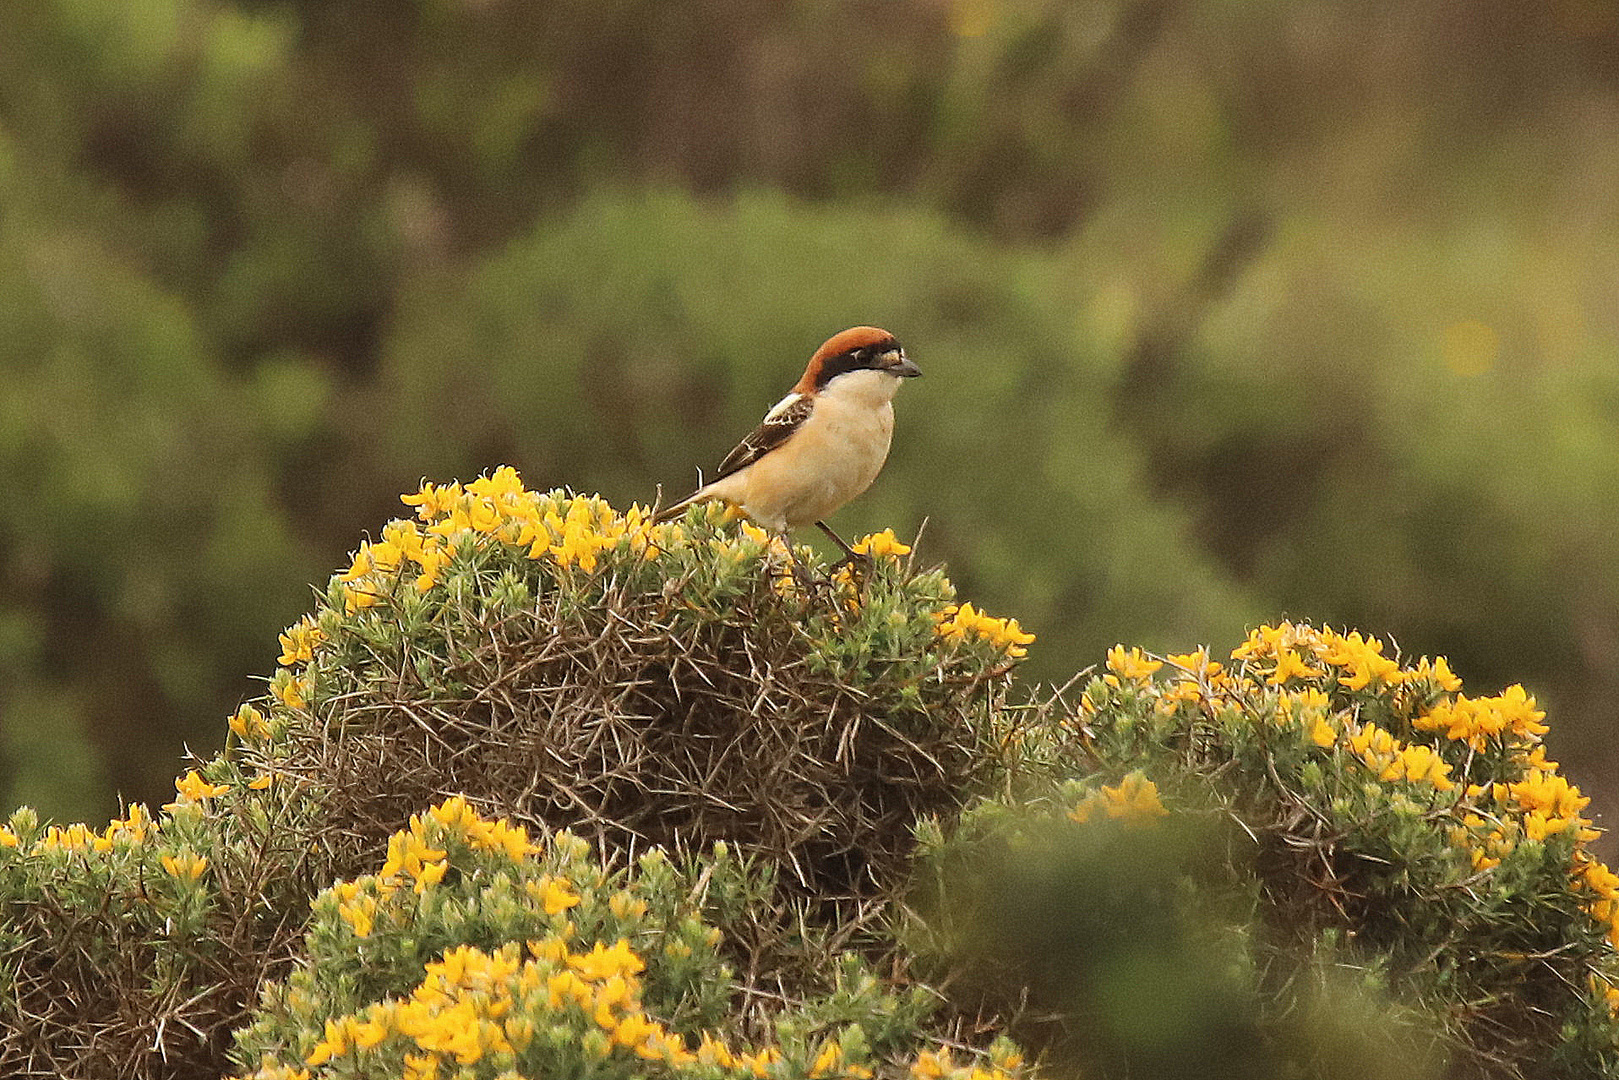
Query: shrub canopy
x=583, y=747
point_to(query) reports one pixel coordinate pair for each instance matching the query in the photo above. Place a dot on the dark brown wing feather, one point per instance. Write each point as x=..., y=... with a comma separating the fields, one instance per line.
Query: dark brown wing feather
x=778, y=423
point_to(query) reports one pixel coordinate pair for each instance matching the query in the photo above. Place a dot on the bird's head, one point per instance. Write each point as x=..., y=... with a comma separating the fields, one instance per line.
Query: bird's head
x=860, y=348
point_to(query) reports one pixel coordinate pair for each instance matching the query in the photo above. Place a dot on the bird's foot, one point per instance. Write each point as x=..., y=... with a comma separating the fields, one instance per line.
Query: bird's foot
x=856, y=563
x=804, y=578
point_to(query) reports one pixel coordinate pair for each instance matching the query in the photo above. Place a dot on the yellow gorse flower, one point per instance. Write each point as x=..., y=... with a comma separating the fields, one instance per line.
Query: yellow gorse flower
x=410, y=855
x=298, y=642
x=603, y=962
x=1290, y=666
x=360, y=913
x=881, y=545
x=248, y=723
x=957, y=623
x=1362, y=659
x=187, y=865
x=1478, y=721
x=575, y=534
x=1131, y=665
x=1297, y=650
x=1196, y=663
x=1322, y=733
x=472, y=1003
x=74, y=837
x=291, y=690
x=555, y=896
x=1132, y=801
x=193, y=789
x=572, y=532
x=433, y=502
x=136, y=825
x=456, y=814
x=625, y=906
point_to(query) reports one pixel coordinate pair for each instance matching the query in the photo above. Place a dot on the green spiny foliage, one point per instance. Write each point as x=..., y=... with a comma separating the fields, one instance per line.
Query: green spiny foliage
x=477, y=951
x=644, y=685
x=1335, y=809
x=131, y=952
x=652, y=687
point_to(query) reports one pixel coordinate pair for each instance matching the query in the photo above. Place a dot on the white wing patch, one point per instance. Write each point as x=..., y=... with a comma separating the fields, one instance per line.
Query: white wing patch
x=782, y=406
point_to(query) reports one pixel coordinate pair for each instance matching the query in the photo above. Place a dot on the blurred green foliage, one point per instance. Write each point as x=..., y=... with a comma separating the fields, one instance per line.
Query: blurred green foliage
x=1229, y=310
x=1131, y=953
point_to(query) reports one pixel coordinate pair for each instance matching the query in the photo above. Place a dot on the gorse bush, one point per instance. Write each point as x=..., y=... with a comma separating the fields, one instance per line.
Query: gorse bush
x=642, y=684
x=475, y=952
x=130, y=951
x=545, y=788
x=1340, y=806
x=550, y=659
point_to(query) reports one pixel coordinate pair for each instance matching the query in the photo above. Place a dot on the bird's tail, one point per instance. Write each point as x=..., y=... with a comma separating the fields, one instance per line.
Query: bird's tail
x=669, y=514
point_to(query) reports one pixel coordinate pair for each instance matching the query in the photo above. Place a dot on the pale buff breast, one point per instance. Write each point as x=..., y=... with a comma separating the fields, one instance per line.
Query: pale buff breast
x=833, y=457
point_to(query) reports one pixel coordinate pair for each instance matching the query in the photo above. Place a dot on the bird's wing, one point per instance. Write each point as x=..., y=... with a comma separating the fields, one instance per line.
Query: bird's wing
x=780, y=422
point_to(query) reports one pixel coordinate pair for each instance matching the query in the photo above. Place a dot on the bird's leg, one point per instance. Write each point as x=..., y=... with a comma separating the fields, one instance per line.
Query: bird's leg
x=801, y=573
x=838, y=540
x=851, y=557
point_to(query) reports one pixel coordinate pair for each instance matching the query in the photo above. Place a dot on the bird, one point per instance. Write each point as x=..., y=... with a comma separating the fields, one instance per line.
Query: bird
x=822, y=444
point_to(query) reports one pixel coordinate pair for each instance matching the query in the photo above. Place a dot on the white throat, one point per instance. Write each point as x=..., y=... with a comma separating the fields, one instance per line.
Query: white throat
x=867, y=386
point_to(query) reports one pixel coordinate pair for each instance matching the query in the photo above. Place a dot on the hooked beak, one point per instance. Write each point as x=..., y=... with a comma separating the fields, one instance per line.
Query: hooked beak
x=895, y=362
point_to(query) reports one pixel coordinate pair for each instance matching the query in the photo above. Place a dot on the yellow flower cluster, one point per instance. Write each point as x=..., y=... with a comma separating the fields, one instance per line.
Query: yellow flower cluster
x=458, y=816
x=572, y=533
x=1476, y=721
x=1284, y=653
x=293, y=691
x=939, y=1065
x=187, y=865
x=375, y=566
x=135, y=828
x=292, y=684
x=590, y=528
x=474, y=1005
x=1540, y=805
x=1196, y=674
x=358, y=909
x=136, y=832
x=1133, y=801
x=956, y=622
x=1299, y=666
x=417, y=856
x=882, y=545
x=298, y=641
x=554, y=894
x=1130, y=665
x=1487, y=843
x=1392, y=759
x=1550, y=804
x=524, y=1005
x=248, y=723
x=1604, y=883
x=192, y=789
x=1362, y=660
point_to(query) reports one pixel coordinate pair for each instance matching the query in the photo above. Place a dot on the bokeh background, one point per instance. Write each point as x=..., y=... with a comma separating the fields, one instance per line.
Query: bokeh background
x=1230, y=310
